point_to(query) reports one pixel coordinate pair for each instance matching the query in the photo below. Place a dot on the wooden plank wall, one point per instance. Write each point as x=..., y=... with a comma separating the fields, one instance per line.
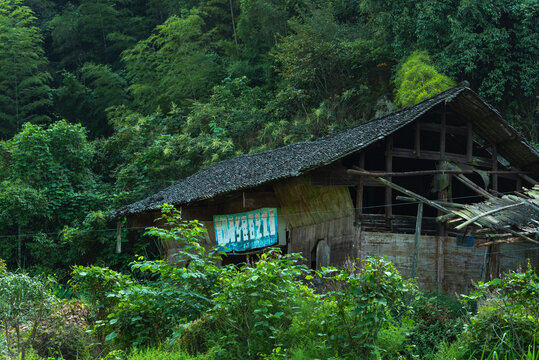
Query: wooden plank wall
x=303, y=204
x=459, y=265
x=339, y=234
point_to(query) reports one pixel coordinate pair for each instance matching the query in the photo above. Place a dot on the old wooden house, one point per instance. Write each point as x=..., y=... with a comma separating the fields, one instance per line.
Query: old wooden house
x=340, y=197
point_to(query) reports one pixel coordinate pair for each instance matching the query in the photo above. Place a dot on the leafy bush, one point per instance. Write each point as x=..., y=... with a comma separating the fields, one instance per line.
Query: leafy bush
x=25, y=301
x=95, y=285
x=367, y=298
x=255, y=302
x=508, y=317
x=64, y=333
x=145, y=307
x=437, y=319
x=417, y=80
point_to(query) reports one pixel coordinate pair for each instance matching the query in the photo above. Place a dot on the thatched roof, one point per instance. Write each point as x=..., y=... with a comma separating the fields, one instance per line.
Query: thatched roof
x=251, y=170
x=514, y=215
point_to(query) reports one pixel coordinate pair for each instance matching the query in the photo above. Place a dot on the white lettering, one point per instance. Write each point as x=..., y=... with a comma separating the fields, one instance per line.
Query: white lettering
x=272, y=222
x=258, y=225
x=251, y=227
x=231, y=233
x=265, y=223
x=244, y=228
x=237, y=228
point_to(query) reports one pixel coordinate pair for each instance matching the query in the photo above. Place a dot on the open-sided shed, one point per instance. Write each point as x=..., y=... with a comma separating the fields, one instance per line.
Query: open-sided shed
x=338, y=197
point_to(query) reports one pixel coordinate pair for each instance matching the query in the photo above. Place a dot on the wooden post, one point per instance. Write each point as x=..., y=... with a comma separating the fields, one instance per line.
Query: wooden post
x=443, y=131
x=484, y=267
x=118, y=237
x=359, y=190
x=442, y=193
x=494, y=167
x=440, y=264
x=416, y=238
x=359, y=208
x=469, y=142
x=389, y=192
x=418, y=139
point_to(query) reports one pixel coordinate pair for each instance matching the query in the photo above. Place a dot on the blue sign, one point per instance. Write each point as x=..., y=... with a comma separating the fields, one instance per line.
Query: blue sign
x=463, y=240
x=246, y=231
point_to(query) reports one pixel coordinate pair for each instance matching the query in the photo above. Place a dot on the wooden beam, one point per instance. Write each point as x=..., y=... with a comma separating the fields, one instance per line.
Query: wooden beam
x=417, y=139
x=435, y=155
x=338, y=177
x=470, y=184
x=502, y=241
x=416, y=238
x=411, y=194
x=118, y=237
x=528, y=179
x=469, y=142
x=389, y=168
x=440, y=259
x=362, y=172
x=457, y=130
x=359, y=190
x=494, y=167
x=442, y=196
x=443, y=130
x=443, y=203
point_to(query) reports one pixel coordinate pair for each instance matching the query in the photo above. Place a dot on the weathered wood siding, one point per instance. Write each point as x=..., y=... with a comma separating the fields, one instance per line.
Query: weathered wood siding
x=339, y=234
x=457, y=267
x=303, y=204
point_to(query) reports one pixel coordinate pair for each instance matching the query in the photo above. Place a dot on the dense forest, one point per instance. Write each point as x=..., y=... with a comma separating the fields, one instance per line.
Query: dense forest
x=103, y=102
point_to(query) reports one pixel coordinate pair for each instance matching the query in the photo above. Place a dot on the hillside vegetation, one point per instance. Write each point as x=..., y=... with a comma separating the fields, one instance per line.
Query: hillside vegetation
x=272, y=308
x=103, y=102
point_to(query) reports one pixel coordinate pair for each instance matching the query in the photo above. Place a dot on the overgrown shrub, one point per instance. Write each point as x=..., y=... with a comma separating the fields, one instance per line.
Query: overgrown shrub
x=508, y=317
x=144, y=308
x=96, y=286
x=256, y=302
x=64, y=334
x=437, y=319
x=25, y=302
x=368, y=297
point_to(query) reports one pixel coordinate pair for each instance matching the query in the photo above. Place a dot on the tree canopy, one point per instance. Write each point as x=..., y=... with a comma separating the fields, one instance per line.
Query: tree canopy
x=103, y=102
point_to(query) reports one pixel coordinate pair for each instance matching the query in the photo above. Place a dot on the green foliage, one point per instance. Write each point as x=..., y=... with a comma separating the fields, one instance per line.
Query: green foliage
x=94, y=284
x=257, y=302
x=507, y=319
x=144, y=308
x=172, y=65
x=437, y=320
x=25, y=302
x=164, y=353
x=95, y=31
x=494, y=46
x=366, y=300
x=48, y=184
x=86, y=97
x=417, y=80
x=24, y=89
